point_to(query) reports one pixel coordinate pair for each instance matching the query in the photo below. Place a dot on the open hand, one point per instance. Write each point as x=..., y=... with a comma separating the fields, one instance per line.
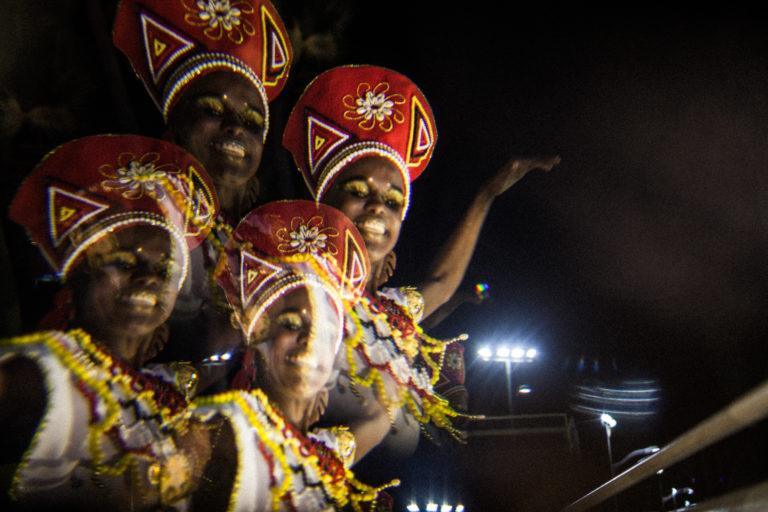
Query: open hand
x=514, y=170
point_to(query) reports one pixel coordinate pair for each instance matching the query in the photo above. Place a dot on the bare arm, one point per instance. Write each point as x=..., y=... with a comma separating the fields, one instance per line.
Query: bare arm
x=463, y=295
x=369, y=430
x=450, y=264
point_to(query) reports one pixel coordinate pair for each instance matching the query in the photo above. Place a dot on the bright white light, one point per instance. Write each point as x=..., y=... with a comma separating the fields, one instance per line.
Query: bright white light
x=502, y=352
x=431, y=507
x=485, y=352
x=524, y=390
x=226, y=356
x=518, y=353
x=459, y=508
x=214, y=357
x=412, y=507
x=607, y=420
x=531, y=353
x=446, y=508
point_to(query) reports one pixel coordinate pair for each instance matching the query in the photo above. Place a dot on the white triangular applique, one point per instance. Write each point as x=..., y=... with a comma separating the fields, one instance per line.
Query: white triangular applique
x=423, y=138
x=254, y=274
x=354, y=266
x=162, y=46
x=275, y=61
x=67, y=211
x=422, y=135
x=322, y=139
x=278, y=58
x=202, y=207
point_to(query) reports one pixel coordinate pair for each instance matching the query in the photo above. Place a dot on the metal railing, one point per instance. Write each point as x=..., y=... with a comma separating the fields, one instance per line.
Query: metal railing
x=743, y=412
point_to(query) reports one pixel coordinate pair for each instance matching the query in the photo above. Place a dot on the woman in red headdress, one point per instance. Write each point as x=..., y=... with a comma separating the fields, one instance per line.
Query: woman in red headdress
x=212, y=68
x=80, y=423
x=360, y=135
x=291, y=269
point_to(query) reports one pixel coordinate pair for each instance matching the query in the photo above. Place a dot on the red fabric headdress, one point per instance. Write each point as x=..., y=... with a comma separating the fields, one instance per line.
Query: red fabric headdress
x=92, y=186
x=172, y=42
x=285, y=244
x=351, y=112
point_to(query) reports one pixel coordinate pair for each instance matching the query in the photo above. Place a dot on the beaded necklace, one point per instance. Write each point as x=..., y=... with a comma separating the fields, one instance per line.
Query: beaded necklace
x=279, y=441
x=170, y=400
x=109, y=385
x=392, y=347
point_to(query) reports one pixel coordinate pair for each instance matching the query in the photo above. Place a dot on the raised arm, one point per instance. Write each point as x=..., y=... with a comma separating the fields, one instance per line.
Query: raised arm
x=448, y=267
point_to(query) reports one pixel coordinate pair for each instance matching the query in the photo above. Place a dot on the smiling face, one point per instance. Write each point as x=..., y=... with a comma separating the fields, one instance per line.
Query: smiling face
x=220, y=119
x=370, y=192
x=127, y=283
x=300, y=349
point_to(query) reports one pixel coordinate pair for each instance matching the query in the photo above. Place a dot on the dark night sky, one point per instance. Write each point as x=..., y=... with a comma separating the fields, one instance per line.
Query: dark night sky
x=647, y=242
x=645, y=246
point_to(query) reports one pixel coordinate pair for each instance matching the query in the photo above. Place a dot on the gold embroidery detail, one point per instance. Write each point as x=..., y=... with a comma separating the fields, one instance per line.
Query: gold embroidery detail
x=373, y=106
x=137, y=176
x=307, y=237
x=159, y=47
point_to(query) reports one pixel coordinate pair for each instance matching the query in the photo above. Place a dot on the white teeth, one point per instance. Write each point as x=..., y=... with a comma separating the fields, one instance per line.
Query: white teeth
x=303, y=359
x=142, y=299
x=232, y=148
x=373, y=226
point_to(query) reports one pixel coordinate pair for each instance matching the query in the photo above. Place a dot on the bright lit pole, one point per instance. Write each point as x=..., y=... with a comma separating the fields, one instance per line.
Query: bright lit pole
x=609, y=423
x=509, y=356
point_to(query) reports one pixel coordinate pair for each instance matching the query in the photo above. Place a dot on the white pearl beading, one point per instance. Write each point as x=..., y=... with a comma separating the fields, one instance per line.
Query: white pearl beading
x=114, y=222
x=354, y=151
x=196, y=65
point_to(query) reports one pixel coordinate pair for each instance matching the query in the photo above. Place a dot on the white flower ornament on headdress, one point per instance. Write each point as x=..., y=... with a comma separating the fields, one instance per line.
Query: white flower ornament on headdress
x=221, y=16
x=374, y=106
x=307, y=237
x=137, y=176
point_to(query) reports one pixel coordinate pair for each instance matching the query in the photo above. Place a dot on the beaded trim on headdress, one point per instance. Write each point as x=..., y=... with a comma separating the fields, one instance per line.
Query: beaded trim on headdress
x=350, y=112
x=91, y=187
x=171, y=43
x=121, y=220
x=201, y=63
x=285, y=282
x=355, y=152
x=284, y=245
